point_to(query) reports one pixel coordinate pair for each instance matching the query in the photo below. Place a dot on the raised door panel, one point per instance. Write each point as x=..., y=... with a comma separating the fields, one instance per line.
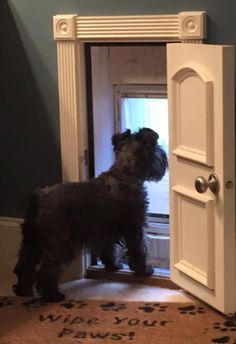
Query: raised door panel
x=192, y=91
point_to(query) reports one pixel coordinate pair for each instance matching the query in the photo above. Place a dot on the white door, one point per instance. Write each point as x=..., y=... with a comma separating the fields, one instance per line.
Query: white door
x=202, y=147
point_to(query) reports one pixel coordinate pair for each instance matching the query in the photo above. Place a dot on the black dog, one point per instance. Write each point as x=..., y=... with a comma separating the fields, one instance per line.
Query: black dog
x=65, y=218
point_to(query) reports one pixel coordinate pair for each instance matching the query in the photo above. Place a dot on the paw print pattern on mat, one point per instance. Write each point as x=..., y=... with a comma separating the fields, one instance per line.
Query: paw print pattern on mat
x=34, y=303
x=227, y=326
x=74, y=304
x=81, y=304
x=112, y=306
x=6, y=301
x=151, y=307
x=191, y=310
x=224, y=339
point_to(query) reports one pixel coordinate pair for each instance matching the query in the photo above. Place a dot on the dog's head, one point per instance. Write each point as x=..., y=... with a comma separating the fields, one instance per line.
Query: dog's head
x=140, y=154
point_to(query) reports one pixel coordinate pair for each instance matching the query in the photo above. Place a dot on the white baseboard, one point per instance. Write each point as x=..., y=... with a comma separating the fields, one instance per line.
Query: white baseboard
x=10, y=238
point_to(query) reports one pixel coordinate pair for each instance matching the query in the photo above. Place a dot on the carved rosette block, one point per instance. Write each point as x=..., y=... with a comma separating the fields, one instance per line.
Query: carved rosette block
x=64, y=27
x=192, y=25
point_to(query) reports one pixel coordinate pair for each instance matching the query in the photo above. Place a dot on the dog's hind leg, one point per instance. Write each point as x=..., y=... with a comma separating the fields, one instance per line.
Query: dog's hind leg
x=30, y=253
x=137, y=254
x=25, y=268
x=110, y=258
x=48, y=280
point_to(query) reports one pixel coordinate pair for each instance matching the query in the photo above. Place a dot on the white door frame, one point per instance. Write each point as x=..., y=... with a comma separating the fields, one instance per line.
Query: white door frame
x=71, y=32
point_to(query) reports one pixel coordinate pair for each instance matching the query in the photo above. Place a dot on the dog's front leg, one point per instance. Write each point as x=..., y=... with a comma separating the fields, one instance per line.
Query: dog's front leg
x=137, y=254
x=110, y=259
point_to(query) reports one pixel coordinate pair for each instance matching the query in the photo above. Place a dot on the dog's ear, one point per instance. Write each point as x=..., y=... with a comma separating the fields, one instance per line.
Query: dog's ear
x=147, y=136
x=118, y=139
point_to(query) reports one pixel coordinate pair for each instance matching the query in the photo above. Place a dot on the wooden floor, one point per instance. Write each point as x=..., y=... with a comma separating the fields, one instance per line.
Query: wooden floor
x=121, y=291
x=98, y=272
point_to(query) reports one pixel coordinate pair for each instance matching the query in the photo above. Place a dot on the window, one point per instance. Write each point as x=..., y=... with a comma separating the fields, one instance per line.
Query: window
x=147, y=106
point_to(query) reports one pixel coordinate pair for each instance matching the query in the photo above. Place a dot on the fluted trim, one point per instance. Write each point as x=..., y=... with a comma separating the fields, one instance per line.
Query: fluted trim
x=68, y=104
x=126, y=27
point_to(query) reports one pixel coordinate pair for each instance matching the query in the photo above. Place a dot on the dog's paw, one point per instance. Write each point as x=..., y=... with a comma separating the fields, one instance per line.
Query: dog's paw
x=114, y=267
x=144, y=271
x=53, y=297
x=22, y=290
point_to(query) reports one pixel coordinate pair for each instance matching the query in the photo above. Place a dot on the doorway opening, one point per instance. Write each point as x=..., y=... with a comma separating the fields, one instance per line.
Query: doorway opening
x=127, y=89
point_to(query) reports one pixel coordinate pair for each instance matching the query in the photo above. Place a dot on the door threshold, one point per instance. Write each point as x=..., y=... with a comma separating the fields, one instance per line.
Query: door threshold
x=125, y=275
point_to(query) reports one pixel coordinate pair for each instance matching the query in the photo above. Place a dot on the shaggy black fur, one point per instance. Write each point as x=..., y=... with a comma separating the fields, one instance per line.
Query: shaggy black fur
x=65, y=218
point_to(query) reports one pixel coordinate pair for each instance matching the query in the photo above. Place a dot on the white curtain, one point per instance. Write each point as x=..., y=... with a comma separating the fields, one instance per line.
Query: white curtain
x=146, y=112
x=151, y=113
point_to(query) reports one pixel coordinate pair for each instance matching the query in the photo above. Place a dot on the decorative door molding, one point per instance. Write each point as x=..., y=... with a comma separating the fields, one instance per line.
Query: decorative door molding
x=71, y=32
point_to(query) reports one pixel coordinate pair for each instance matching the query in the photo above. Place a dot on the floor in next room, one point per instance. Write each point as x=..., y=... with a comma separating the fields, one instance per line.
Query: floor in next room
x=121, y=291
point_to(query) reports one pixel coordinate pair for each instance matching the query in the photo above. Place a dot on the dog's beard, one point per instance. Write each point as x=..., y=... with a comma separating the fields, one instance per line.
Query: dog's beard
x=159, y=165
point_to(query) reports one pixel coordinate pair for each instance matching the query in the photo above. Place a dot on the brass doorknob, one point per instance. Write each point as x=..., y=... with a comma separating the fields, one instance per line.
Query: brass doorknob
x=202, y=184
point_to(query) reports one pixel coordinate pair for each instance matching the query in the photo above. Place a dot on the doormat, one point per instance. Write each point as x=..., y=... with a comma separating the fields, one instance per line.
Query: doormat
x=28, y=321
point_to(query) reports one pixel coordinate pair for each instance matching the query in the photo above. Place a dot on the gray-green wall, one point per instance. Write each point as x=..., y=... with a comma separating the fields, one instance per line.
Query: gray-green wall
x=29, y=118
